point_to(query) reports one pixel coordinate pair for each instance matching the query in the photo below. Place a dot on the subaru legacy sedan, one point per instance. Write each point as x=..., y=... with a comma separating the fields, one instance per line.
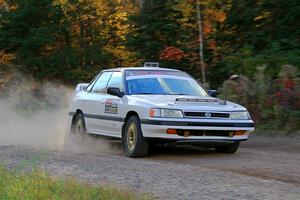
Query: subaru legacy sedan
x=148, y=105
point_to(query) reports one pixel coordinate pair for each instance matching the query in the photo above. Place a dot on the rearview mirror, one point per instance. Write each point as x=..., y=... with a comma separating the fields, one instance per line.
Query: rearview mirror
x=212, y=93
x=115, y=91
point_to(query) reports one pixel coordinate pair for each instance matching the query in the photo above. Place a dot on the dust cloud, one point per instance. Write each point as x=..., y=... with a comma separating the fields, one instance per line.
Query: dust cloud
x=36, y=115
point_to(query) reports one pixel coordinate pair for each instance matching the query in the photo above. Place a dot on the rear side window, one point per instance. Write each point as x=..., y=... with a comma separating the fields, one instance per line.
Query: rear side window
x=101, y=83
x=116, y=80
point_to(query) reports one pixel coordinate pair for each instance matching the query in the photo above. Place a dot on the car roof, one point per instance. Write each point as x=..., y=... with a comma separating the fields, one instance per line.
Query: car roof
x=140, y=68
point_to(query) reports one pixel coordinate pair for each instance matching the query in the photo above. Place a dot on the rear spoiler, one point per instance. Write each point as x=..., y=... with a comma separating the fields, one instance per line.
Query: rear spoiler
x=81, y=87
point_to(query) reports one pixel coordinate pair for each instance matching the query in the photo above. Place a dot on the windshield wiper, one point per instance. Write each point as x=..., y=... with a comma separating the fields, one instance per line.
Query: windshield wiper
x=177, y=94
x=146, y=93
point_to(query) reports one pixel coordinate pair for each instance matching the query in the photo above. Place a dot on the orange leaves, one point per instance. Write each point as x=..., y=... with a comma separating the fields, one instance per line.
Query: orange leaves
x=207, y=27
x=215, y=15
x=211, y=17
x=212, y=44
x=172, y=53
x=220, y=16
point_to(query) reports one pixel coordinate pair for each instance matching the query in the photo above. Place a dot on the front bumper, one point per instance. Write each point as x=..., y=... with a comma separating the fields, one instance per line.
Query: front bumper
x=157, y=129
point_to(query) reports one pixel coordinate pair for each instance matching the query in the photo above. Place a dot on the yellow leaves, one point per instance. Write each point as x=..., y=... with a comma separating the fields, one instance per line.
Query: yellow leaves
x=258, y=17
x=6, y=58
x=262, y=16
x=186, y=9
x=124, y=57
x=84, y=17
x=115, y=17
x=8, y=7
x=210, y=16
x=5, y=72
x=3, y=4
x=188, y=12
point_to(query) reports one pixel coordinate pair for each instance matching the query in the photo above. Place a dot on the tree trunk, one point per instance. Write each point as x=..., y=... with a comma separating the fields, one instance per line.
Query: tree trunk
x=199, y=19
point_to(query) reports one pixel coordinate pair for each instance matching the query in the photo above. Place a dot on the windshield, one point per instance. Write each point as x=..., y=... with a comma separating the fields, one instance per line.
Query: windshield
x=162, y=83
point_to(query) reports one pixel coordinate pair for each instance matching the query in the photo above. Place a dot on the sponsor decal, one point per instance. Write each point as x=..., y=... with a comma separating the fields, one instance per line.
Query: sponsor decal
x=111, y=106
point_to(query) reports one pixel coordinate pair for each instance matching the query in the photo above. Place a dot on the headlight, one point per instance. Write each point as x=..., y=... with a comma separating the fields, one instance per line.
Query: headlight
x=161, y=112
x=240, y=115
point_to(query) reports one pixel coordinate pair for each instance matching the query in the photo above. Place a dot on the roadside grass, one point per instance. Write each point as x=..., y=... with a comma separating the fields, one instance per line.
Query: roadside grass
x=39, y=185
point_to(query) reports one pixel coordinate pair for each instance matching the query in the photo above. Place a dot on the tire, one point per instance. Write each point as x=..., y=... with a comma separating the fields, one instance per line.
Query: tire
x=74, y=139
x=230, y=149
x=78, y=127
x=134, y=144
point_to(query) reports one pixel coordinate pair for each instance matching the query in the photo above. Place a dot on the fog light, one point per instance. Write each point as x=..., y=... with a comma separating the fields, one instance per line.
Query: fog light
x=171, y=131
x=239, y=132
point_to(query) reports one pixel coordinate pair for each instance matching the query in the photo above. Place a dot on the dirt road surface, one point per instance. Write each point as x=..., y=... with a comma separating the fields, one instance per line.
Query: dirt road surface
x=263, y=168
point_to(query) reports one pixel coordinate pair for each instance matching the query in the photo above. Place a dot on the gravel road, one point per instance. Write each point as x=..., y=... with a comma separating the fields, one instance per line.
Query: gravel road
x=263, y=168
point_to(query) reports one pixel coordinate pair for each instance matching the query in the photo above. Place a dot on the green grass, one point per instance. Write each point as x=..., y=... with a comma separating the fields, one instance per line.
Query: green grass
x=39, y=185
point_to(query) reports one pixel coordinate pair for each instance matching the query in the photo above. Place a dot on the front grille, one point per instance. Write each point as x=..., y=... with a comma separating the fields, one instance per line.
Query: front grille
x=194, y=114
x=204, y=133
x=221, y=115
x=203, y=114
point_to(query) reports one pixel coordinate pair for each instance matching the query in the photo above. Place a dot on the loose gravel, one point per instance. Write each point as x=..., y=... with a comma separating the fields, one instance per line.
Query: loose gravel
x=181, y=173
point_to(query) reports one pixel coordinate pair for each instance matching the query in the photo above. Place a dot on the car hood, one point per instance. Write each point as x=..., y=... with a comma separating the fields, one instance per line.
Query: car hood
x=184, y=102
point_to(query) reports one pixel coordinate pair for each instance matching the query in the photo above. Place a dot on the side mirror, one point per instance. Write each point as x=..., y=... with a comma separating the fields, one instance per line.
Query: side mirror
x=212, y=93
x=115, y=91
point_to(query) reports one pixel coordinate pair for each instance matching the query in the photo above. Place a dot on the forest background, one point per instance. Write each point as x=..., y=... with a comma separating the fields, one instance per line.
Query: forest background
x=251, y=47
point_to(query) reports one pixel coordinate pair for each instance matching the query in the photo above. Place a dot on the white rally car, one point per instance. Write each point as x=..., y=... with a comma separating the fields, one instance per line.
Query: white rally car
x=144, y=105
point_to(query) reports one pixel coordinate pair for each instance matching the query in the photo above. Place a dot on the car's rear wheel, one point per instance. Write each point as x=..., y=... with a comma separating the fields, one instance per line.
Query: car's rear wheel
x=78, y=127
x=76, y=135
x=231, y=148
x=134, y=144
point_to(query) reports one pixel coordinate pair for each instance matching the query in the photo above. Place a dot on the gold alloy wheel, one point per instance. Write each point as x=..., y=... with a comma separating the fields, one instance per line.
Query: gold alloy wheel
x=79, y=127
x=131, y=136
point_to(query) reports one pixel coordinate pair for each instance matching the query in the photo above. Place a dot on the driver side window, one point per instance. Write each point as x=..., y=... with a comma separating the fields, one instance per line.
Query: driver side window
x=101, y=83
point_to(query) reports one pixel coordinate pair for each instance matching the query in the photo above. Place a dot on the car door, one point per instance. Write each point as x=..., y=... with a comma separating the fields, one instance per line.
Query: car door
x=112, y=104
x=93, y=105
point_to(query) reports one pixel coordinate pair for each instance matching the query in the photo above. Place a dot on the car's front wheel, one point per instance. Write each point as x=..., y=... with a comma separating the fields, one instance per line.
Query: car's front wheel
x=231, y=148
x=134, y=144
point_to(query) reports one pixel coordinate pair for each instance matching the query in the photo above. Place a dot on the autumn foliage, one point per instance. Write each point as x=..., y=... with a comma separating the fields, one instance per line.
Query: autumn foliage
x=172, y=53
x=71, y=41
x=273, y=104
